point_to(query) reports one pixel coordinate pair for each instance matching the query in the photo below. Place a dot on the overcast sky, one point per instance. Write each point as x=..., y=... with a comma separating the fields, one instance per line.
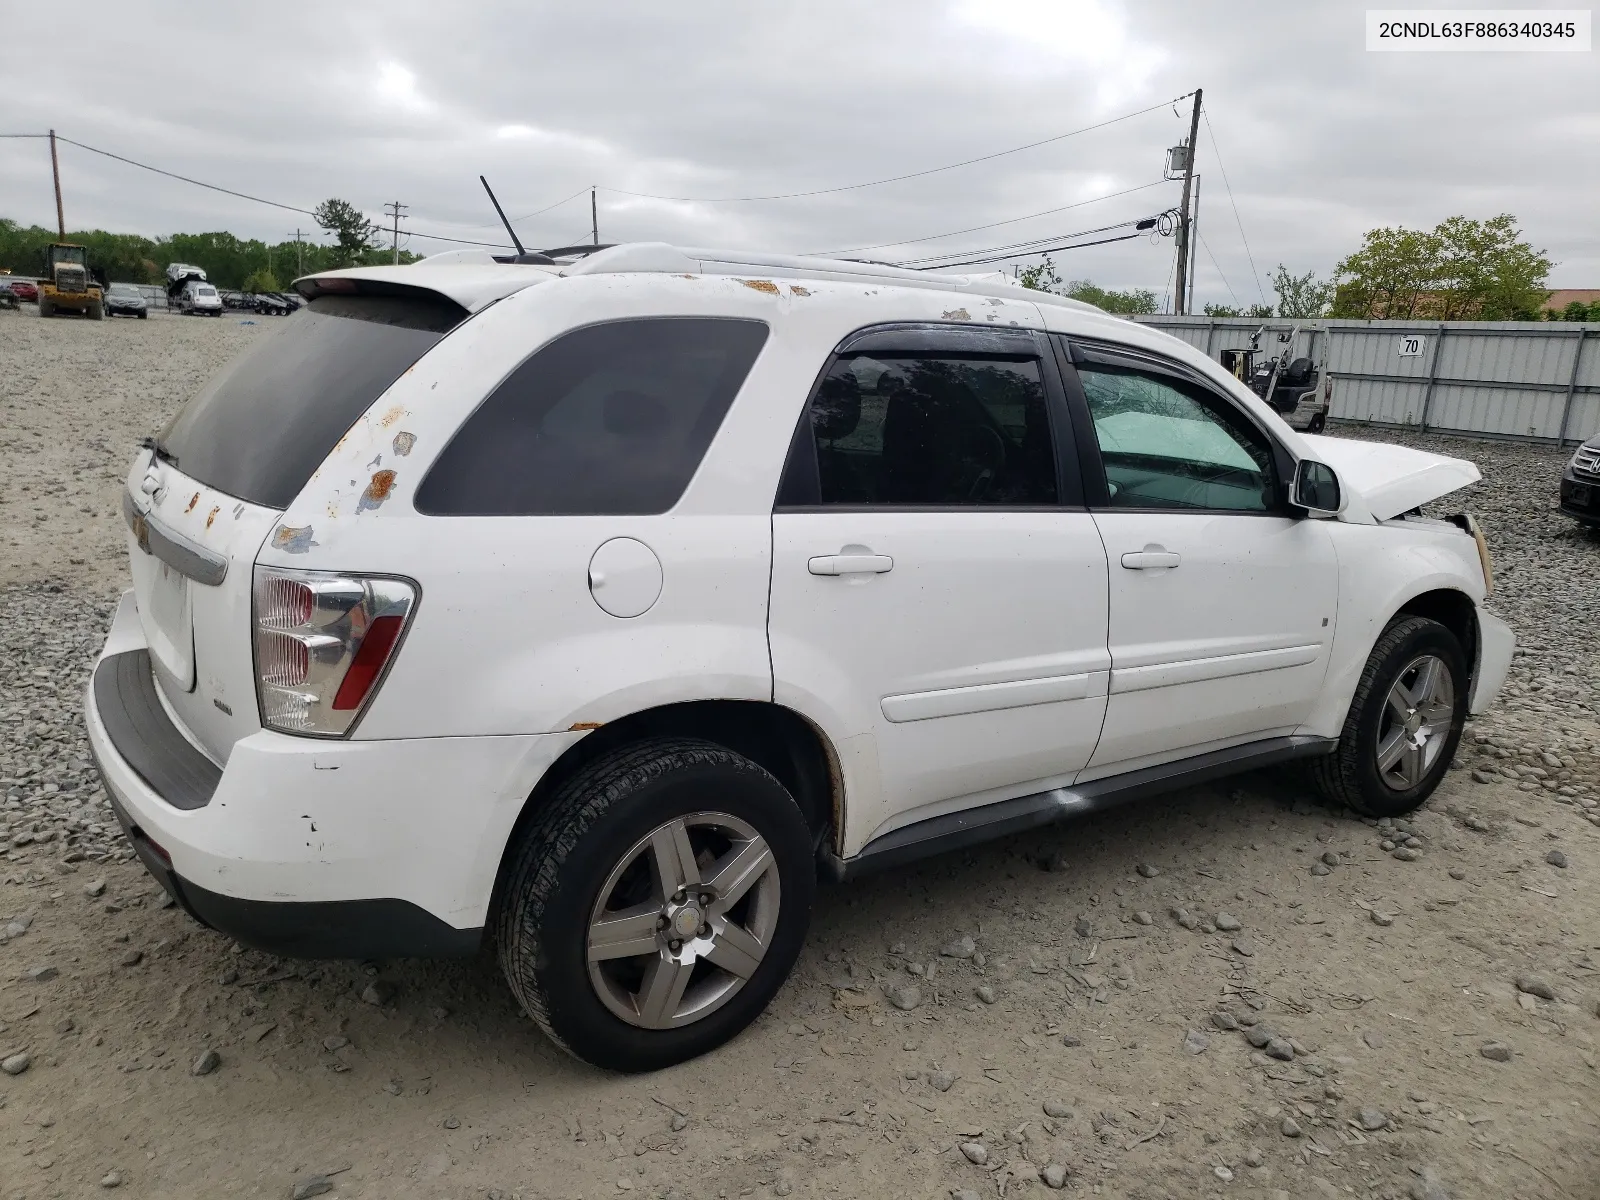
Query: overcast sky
x=296, y=102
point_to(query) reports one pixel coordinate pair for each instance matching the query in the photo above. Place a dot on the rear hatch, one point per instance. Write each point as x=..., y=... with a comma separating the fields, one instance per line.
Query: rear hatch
x=207, y=492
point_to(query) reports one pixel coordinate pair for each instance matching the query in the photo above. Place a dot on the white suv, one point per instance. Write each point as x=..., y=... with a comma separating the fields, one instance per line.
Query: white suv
x=599, y=607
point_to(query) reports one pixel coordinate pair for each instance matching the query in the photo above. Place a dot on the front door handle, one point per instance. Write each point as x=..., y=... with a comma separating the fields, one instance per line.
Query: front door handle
x=850, y=564
x=1152, y=556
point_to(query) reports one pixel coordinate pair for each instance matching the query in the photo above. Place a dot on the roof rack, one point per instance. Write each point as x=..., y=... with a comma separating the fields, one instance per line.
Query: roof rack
x=664, y=258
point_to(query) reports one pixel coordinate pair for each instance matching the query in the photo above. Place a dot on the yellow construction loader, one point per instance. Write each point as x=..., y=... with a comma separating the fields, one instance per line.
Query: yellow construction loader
x=68, y=285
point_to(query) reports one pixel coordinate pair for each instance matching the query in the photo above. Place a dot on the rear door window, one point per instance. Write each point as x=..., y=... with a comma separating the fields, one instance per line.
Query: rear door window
x=265, y=424
x=608, y=419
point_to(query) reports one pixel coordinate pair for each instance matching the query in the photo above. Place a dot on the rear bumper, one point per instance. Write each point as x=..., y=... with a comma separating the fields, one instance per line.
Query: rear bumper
x=305, y=847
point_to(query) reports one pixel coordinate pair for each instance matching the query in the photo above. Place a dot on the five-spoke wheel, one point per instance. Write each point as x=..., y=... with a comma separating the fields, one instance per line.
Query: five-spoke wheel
x=656, y=903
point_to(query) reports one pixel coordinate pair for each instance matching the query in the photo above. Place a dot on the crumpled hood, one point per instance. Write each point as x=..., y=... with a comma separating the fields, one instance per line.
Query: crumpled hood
x=1392, y=479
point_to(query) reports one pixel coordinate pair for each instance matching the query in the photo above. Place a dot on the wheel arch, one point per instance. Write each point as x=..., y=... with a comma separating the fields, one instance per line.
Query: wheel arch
x=784, y=743
x=1453, y=609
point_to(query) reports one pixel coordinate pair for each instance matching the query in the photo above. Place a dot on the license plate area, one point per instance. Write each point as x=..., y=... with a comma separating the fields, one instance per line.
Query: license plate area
x=1580, y=494
x=169, y=624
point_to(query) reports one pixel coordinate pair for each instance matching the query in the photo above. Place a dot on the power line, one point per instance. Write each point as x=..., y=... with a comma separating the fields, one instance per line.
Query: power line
x=244, y=195
x=934, y=237
x=851, y=187
x=174, y=175
x=1023, y=248
x=1211, y=133
x=1218, y=266
x=1023, y=254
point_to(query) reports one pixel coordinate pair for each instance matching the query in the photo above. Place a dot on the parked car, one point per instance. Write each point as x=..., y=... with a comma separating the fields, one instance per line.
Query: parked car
x=605, y=605
x=198, y=298
x=8, y=298
x=126, y=300
x=1580, y=485
x=270, y=304
x=25, y=290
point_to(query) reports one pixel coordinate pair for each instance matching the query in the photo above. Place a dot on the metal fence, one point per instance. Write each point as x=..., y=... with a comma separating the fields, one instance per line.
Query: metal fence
x=1535, y=381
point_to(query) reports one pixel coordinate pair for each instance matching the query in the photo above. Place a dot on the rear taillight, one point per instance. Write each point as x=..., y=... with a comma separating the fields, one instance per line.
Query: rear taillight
x=322, y=643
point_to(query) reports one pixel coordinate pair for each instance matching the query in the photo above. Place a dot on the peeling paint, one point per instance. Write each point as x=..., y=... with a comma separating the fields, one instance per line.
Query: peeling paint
x=294, y=539
x=403, y=442
x=376, y=462
x=581, y=726
x=377, y=492
x=958, y=314
x=993, y=302
x=393, y=415
x=799, y=291
x=761, y=285
x=193, y=500
x=212, y=515
x=238, y=511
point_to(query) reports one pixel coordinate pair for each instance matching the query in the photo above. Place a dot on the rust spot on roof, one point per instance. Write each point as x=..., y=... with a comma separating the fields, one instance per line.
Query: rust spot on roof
x=378, y=489
x=403, y=442
x=193, y=500
x=761, y=285
x=958, y=314
x=212, y=515
x=799, y=291
x=390, y=417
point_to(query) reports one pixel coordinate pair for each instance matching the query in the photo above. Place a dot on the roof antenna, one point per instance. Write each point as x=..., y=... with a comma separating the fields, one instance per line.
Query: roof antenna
x=515, y=241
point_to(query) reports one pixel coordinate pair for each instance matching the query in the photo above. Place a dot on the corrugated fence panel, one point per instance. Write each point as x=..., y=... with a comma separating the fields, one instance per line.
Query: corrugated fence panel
x=1505, y=412
x=1514, y=379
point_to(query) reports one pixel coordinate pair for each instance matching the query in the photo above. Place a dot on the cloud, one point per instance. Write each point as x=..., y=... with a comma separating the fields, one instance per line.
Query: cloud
x=1321, y=140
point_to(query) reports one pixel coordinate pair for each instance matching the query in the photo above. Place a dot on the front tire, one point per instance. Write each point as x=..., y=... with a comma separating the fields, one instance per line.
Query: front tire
x=1404, y=724
x=657, y=903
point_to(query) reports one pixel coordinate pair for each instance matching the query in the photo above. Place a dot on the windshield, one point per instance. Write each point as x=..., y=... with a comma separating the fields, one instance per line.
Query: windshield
x=205, y=291
x=258, y=430
x=69, y=254
x=122, y=289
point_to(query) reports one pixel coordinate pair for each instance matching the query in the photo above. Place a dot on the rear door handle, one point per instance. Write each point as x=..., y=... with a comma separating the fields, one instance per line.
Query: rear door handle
x=1150, y=557
x=850, y=564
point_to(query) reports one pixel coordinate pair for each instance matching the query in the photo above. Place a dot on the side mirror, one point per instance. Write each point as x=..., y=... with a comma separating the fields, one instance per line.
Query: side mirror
x=1316, y=489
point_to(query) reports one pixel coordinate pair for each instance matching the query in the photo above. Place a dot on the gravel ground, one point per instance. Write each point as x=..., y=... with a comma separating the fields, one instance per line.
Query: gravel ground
x=1229, y=992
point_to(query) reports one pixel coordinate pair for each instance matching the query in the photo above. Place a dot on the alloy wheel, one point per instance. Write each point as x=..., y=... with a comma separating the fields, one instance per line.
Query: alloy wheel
x=683, y=920
x=1416, y=722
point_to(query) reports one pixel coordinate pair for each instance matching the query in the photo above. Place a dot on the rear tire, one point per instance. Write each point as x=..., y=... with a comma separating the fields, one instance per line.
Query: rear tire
x=97, y=312
x=46, y=309
x=604, y=849
x=1404, y=723
x=1318, y=423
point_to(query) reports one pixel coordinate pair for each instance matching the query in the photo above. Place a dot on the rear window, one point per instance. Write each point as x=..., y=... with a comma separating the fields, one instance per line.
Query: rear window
x=609, y=419
x=260, y=428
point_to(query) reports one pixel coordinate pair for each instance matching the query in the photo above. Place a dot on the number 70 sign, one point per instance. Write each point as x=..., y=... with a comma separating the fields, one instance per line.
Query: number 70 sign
x=1412, y=345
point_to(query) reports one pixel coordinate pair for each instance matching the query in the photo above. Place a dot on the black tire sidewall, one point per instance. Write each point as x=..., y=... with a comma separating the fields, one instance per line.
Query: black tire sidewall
x=1381, y=799
x=575, y=1014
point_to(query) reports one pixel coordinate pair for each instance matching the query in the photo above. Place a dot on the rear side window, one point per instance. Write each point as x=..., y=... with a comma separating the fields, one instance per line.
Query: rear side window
x=609, y=419
x=265, y=424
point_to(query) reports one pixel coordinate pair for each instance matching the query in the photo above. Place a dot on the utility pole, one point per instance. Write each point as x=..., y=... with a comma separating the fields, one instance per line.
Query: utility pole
x=1183, y=219
x=395, y=209
x=299, y=254
x=594, y=218
x=55, y=169
x=1194, y=243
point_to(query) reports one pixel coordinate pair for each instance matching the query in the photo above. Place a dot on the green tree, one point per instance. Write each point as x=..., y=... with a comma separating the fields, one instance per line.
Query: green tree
x=1461, y=270
x=1041, y=277
x=1129, y=303
x=353, y=234
x=262, y=280
x=1301, y=296
x=1257, y=311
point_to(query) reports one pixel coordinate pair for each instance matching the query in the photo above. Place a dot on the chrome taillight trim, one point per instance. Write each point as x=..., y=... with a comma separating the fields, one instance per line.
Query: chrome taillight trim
x=339, y=601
